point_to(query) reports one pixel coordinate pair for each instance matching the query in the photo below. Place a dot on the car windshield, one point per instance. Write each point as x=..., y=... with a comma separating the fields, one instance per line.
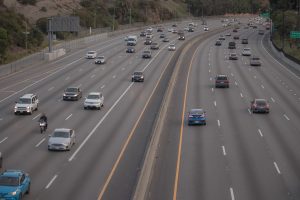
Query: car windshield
x=196, y=112
x=91, y=52
x=261, y=102
x=255, y=58
x=61, y=134
x=221, y=78
x=246, y=49
x=93, y=96
x=138, y=73
x=71, y=90
x=100, y=57
x=9, y=181
x=24, y=101
x=147, y=52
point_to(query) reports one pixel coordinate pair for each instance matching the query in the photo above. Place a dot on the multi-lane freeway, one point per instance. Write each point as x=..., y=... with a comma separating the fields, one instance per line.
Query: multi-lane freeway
x=236, y=155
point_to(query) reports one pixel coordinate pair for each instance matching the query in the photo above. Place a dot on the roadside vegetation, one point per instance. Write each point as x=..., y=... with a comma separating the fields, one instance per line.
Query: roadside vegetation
x=285, y=18
x=18, y=37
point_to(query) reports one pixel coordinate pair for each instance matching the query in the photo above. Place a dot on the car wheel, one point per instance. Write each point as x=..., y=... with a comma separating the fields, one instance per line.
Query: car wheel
x=20, y=196
x=37, y=107
x=84, y=108
x=132, y=80
x=28, y=190
x=99, y=108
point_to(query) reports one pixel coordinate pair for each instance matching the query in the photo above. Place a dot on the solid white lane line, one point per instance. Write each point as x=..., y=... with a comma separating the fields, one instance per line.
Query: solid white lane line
x=99, y=123
x=68, y=117
x=50, y=88
x=215, y=103
x=286, y=117
x=273, y=100
x=36, y=116
x=224, y=151
x=232, y=194
x=3, y=140
x=219, y=123
x=277, y=168
x=241, y=95
x=102, y=86
x=260, y=133
x=38, y=144
x=51, y=181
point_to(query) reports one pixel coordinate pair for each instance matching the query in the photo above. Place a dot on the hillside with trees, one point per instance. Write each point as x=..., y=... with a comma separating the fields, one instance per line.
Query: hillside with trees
x=24, y=22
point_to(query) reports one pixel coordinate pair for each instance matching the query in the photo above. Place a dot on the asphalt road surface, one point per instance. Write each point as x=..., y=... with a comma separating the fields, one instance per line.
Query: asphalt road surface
x=237, y=155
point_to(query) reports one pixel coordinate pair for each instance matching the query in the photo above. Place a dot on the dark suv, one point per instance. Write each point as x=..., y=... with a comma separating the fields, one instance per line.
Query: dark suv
x=222, y=81
x=72, y=93
x=137, y=77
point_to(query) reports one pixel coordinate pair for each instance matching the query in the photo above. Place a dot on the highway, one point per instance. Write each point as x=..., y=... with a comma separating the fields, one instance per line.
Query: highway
x=237, y=155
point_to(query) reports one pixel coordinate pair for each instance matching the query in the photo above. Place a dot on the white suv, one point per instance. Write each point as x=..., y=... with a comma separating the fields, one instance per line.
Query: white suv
x=26, y=104
x=94, y=100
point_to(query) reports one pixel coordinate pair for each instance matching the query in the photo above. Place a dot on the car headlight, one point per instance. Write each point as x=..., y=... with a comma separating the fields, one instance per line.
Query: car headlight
x=13, y=193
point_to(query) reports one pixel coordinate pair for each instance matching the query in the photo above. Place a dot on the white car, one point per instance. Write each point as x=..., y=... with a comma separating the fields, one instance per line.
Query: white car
x=246, y=52
x=172, y=47
x=61, y=139
x=100, y=60
x=170, y=29
x=206, y=28
x=26, y=104
x=150, y=29
x=91, y=54
x=94, y=100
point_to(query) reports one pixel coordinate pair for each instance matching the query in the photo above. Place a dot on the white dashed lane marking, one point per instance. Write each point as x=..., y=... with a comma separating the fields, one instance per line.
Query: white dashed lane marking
x=3, y=140
x=51, y=181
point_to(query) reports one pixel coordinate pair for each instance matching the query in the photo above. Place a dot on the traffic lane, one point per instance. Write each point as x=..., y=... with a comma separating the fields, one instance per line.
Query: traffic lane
x=203, y=164
x=249, y=91
x=119, y=127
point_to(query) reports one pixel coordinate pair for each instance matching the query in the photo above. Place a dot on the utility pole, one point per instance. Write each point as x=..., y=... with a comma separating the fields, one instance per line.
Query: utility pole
x=282, y=36
x=113, y=25
x=129, y=16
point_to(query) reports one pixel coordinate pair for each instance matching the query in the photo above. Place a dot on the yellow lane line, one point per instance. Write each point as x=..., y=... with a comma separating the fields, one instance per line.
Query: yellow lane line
x=129, y=137
x=181, y=129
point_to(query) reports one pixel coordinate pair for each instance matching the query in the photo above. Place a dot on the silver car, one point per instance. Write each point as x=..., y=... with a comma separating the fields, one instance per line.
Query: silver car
x=94, y=100
x=61, y=139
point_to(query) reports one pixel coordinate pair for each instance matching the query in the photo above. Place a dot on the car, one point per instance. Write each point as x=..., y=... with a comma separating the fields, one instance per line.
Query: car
x=231, y=45
x=172, y=47
x=222, y=37
x=174, y=25
x=244, y=41
x=255, y=61
x=148, y=42
x=130, y=50
x=150, y=30
x=94, y=100
x=181, y=37
x=218, y=43
x=260, y=106
x=170, y=29
x=149, y=36
x=143, y=34
x=174, y=30
x=146, y=54
x=14, y=184
x=221, y=81
x=100, y=60
x=72, y=93
x=261, y=32
x=197, y=116
x=235, y=30
x=233, y=56
x=126, y=38
x=236, y=37
x=1, y=160
x=91, y=54
x=206, y=28
x=228, y=34
x=26, y=104
x=190, y=29
x=162, y=35
x=166, y=39
x=154, y=46
x=160, y=29
x=62, y=139
x=137, y=76
x=246, y=52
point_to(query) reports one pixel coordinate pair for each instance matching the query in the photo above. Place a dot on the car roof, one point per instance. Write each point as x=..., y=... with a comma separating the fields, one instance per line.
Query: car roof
x=260, y=100
x=196, y=110
x=221, y=75
x=94, y=93
x=247, y=48
x=140, y=72
x=91, y=51
x=27, y=95
x=12, y=173
x=62, y=130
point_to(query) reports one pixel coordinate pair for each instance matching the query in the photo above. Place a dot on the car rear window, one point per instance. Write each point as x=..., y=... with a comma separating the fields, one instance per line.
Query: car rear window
x=221, y=78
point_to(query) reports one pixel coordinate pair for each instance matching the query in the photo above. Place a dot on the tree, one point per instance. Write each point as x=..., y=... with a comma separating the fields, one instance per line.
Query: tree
x=3, y=44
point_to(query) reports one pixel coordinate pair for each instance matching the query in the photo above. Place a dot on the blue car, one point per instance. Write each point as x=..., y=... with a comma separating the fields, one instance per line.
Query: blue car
x=14, y=184
x=197, y=117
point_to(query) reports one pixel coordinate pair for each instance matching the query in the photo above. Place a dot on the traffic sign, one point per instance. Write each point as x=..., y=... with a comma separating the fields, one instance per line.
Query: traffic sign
x=295, y=34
